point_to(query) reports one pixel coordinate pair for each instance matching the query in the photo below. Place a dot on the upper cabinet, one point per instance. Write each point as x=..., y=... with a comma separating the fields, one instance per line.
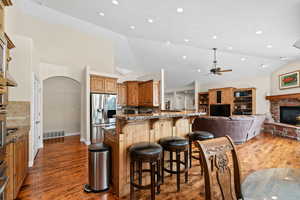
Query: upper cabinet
x=221, y=96
x=132, y=95
x=122, y=94
x=149, y=93
x=100, y=84
x=142, y=93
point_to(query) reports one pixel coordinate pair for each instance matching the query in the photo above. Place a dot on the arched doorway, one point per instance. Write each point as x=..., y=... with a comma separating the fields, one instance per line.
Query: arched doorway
x=61, y=107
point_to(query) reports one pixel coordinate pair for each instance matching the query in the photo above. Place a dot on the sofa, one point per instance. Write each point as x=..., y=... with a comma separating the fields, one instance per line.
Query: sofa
x=239, y=128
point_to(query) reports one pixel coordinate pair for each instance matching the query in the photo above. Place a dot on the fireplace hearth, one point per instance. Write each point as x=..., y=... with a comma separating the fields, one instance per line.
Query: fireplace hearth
x=289, y=114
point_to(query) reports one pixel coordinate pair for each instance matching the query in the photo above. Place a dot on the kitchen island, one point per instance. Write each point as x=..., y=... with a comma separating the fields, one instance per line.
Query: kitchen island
x=135, y=128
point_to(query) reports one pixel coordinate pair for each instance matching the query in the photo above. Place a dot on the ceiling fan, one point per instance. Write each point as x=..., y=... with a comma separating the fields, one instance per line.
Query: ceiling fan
x=217, y=70
x=297, y=44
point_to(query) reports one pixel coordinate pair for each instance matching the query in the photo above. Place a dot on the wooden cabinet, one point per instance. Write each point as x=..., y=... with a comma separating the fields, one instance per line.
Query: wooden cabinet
x=111, y=85
x=20, y=162
x=100, y=84
x=122, y=94
x=16, y=158
x=221, y=96
x=149, y=93
x=9, y=159
x=146, y=93
x=132, y=93
x=139, y=93
x=242, y=101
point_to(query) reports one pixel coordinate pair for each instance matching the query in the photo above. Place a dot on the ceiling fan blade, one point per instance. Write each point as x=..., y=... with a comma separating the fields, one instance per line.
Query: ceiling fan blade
x=226, y=70
x=219, y=73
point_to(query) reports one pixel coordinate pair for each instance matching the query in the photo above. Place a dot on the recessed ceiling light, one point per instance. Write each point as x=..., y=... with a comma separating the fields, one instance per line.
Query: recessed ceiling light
x=243, y=59
x=229, y=48
x=101, y=14
x=274, y=197
x=115, y=2
x=184, y=57
x=186, y=40
x=168, y=43
x=198, y=70
x=284, y=58
x=150, y=20
x=259, y=32
x=214, y=37
x=269, y=46
x=179, y=10
x=264, y=66
x=132, y=27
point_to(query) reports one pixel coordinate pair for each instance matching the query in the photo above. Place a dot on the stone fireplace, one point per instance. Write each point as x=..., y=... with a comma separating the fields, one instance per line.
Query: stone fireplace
x=285, y=105
x=284, y=110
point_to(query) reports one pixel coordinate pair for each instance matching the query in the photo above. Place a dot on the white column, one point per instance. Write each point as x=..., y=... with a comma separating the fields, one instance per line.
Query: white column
x=162, y=90
x=196, y=96
x=175, y=101
x=185, y=103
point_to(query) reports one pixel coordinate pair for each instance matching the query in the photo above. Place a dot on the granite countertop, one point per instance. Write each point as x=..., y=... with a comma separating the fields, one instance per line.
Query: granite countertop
x=13, y=135
x=160, y=115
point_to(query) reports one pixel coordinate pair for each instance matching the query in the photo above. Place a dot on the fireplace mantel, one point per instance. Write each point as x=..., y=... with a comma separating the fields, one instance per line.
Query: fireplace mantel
x=283, y=96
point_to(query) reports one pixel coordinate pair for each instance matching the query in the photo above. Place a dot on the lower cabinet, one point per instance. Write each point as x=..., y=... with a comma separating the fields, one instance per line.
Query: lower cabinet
x=9, y=159
x=17, y=161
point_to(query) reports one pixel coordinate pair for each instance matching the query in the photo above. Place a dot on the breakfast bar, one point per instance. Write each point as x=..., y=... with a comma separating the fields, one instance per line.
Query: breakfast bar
x=135, y=128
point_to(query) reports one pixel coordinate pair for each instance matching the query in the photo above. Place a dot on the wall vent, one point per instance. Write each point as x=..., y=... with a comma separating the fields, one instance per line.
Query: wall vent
x=53, y=134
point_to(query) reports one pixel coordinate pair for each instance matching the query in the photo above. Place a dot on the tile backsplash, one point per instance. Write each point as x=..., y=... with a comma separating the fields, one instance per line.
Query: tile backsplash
x=18, y=114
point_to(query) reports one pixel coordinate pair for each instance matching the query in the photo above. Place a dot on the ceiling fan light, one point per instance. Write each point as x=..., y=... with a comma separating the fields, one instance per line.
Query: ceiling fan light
x=297, y=44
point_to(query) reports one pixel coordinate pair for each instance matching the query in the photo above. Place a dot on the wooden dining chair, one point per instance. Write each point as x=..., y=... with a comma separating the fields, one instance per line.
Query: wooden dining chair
x=219, y=158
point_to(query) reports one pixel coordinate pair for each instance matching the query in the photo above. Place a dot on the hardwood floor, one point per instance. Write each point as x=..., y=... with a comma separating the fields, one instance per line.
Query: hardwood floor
x=60, y=170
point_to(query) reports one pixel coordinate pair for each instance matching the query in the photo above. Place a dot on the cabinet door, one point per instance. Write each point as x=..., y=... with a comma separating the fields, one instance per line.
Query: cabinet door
x=97, y=84
x=20, y=162
x=123, y=95
x=148, y=93
x=9, y=191
x=132, y=94
x=227, y=96
x=156, y=93
x=141, y=94
x=110, y=85
x=212, y=97
x=119, y=93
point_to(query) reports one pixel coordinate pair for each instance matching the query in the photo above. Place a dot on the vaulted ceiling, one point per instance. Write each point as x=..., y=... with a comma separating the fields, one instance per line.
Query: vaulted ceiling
x=254, y=37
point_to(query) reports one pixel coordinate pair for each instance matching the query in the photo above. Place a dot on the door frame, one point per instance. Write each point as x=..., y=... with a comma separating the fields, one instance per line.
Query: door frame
x=37, y=141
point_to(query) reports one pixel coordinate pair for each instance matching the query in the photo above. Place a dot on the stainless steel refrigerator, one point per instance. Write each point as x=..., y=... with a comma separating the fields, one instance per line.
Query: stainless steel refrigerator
x=103, y=110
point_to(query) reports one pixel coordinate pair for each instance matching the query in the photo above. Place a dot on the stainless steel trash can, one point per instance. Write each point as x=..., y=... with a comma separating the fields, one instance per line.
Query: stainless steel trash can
x=99, y=168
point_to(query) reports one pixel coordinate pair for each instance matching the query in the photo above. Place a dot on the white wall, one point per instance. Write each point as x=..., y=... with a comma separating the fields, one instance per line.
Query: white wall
x=68, y=49
x=61, y=106
x=262, y=85
x=21, y=68
x=294, y=66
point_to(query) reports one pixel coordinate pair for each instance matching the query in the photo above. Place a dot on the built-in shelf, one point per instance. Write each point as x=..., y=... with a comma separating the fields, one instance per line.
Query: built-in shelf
x=203, y=102
x=244, y=101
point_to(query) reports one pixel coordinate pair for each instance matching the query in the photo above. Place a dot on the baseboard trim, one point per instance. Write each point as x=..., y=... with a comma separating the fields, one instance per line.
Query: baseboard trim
x=84, y=141
x=30, y=163
x=72, y=134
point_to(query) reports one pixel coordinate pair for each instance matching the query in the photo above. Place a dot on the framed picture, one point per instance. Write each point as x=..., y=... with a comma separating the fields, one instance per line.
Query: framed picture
x=289, y=80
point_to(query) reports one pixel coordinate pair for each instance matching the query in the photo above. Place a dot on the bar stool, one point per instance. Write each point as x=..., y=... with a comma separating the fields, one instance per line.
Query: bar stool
x=198, y=136
x=145, y=153
x=175, y=145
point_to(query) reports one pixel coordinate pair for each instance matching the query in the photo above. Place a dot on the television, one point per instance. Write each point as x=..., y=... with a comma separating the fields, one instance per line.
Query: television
x=220, y=110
